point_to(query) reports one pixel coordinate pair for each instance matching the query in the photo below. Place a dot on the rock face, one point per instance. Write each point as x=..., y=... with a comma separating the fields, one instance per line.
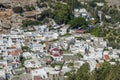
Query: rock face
x=6, y=27
x=18, y=2
x=5, y=1
x=9, y=19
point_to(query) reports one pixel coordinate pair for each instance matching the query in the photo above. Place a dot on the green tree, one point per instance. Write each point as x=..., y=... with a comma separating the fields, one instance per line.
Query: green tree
x=47, y=14
x=18, y=9
x=25, y=48
x=26, y=23
x=29, y=8
x=22, y=60
x=83, y=72
x=106, y=71
x=71, y=75
x=79, y=21
x=92, y=4
x=61, y=13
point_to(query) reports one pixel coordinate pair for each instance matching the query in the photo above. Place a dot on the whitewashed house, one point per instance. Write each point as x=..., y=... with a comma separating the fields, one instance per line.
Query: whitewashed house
x=83, y=12
x=52, y=73
x=56, y=54
x=51, y=36
x=16, y=31
x=27, y=55
x=39, y=74
x=65, y=69
x=15, y=55
x=3, y=63
x=92, y=63
x=64, y=29
x=76, y=13
x=32, y=64
x=77, y=64
x=2, y=74
x=37, y=37
x=79, y=46
x=64, y=44
x=41, y=28
x=37, y=47
x=100, y=4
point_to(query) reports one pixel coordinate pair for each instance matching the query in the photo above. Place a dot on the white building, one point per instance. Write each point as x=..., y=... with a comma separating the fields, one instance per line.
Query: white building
x=37, y=47
x=2, y=74
x=41, y=74
x=32, y=64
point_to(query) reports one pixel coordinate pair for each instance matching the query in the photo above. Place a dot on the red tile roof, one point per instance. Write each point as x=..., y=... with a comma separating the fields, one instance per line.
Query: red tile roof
x=37, y=78
x=15, y=52
x=106, y=57
x=12, y=47
x=80, y=31
x=55, y=52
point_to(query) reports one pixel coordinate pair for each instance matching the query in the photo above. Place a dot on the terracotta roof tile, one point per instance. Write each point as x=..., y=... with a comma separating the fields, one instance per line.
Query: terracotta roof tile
x=106, y=57
x=15, y=52
x=55, y=52
x=37, y=78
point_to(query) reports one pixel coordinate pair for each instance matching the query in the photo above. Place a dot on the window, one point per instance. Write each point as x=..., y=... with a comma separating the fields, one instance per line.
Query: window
x=48, y=74
x=53, y=75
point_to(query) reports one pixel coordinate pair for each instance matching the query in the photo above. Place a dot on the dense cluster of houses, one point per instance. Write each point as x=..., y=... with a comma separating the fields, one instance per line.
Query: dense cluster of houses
x=38, y=55
x=41, y=53
x=47, y=54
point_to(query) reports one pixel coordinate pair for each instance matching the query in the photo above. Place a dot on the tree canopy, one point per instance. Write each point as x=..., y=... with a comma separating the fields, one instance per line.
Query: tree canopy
x=30, y=22
x=106, y=71
x=29, y=8
x=47, y=13
x=81, y=74
x=18, y=9
x=61, y=13
x=79, y=21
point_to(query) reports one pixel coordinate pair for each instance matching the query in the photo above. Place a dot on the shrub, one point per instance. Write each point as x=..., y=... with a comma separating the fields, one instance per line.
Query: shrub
x=18, y=9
